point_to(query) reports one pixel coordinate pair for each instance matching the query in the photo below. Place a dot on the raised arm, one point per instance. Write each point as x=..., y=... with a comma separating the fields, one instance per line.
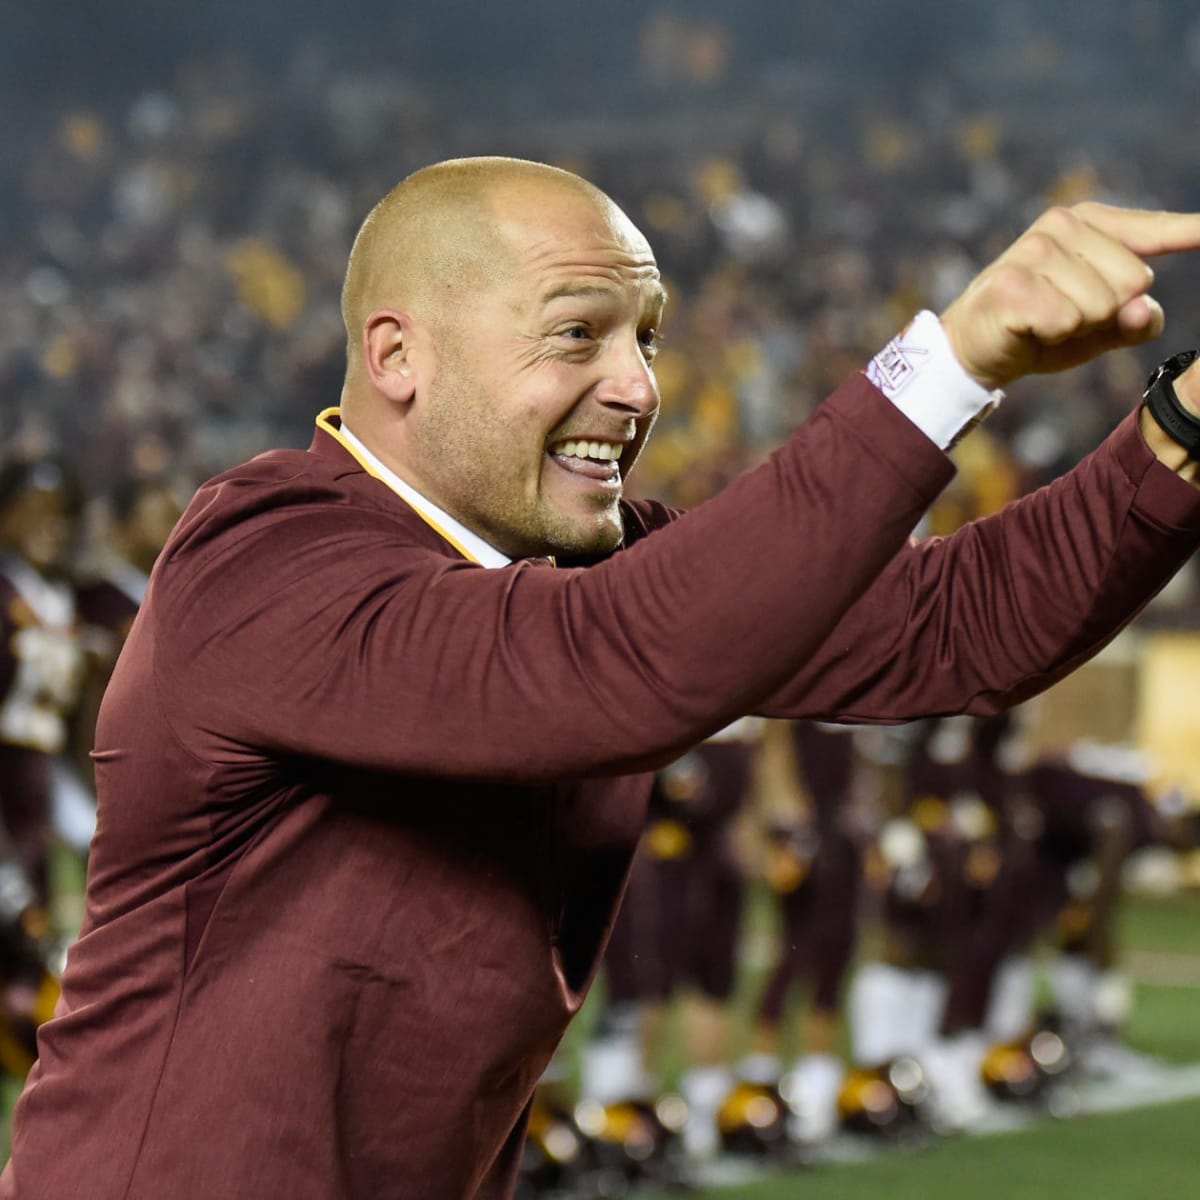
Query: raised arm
x=1004, y=607
x=791, y=593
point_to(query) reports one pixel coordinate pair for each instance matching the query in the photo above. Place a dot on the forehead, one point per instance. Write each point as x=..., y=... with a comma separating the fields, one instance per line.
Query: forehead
x=565, y=244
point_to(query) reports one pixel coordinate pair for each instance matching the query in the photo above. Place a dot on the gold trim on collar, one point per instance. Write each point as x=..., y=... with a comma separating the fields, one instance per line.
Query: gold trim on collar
x=325, y=422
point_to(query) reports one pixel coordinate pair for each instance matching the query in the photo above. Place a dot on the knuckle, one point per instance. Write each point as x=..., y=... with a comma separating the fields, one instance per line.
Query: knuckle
x=1060, y=221
x=1012, y=284
x=1134, y=280
x=1087, y=210
x=1039, y=246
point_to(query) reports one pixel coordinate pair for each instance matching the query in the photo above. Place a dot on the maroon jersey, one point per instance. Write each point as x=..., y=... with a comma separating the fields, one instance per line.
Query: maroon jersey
x=366, y=809
x=1079, y=792
x=109, y=602
x=816, y=867
x=680, y=921
x=825, y=760
x=704, y=790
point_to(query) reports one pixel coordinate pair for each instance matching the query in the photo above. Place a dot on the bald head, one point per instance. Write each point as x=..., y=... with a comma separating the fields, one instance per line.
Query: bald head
x=499, y=311
x=438, y=235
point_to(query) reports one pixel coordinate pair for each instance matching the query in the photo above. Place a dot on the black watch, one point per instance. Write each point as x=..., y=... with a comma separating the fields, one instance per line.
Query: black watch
x=1176, y=422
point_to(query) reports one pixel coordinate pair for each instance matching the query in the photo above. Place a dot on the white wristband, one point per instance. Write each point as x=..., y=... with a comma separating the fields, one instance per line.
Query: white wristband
x=919, y=373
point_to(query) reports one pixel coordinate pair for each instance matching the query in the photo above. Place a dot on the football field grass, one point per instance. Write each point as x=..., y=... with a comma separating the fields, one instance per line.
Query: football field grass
x=1146, y=1154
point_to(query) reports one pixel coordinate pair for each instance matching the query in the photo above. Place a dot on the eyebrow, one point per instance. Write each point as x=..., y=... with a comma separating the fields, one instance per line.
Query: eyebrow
x=592, y=291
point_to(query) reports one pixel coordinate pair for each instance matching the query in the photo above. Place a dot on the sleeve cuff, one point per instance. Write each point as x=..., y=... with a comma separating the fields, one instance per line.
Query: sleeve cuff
x=919, y=373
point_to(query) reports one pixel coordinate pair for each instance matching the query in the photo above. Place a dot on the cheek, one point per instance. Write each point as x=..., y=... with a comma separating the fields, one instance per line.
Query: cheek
x=539, y=410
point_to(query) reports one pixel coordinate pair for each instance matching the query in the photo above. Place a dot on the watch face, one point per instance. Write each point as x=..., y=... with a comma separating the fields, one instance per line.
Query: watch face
x=1172, y=368
x=1179, y=363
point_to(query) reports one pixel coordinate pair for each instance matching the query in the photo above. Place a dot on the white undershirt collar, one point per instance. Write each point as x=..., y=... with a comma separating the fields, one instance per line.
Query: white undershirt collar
x=482, y=552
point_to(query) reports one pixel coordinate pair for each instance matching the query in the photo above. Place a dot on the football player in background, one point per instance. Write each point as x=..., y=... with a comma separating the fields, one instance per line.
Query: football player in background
x=41, y=652
x=677, y=937
x=1096, y=805
x=814, y=864
x=943, y=851
x=41, y=669
x=112, y=582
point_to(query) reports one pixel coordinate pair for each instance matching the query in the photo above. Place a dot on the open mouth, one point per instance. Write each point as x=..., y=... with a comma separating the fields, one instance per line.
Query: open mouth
x=598, y=460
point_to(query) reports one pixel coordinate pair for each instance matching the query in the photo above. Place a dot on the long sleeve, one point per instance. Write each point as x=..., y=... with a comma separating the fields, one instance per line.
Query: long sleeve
x=319, y=629
x=290, y=621
x=1003, y=608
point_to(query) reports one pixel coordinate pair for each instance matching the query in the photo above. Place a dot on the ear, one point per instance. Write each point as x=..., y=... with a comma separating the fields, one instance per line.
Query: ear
x=387, y=357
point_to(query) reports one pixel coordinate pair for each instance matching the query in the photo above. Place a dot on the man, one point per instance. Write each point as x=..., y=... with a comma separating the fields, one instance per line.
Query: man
x=1097, y=805
x=943, y=853
x=41, y=665
x=815, y=859
x=113, y=584
x=366, y=808
x=41, y=654
x=111, y=588
x=677, y=936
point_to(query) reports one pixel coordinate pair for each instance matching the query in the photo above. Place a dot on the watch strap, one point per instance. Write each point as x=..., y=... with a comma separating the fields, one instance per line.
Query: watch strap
x=1177, y=422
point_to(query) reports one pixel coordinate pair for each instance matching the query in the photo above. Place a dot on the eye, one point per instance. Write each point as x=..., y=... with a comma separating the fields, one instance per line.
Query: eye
x=651, y=341
x=576, y=333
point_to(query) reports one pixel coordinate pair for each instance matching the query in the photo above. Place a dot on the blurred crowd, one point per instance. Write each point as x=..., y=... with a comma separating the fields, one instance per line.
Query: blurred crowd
x=170, y=264
x=170, y=275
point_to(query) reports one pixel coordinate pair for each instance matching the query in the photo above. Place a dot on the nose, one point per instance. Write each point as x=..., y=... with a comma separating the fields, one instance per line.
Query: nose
x=629, y=387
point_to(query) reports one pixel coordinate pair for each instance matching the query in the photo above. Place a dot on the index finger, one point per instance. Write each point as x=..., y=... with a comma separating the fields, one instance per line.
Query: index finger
x=1144, y=231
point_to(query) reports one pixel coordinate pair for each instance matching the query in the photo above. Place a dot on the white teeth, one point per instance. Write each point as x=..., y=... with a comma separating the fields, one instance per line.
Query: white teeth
x=604, y=451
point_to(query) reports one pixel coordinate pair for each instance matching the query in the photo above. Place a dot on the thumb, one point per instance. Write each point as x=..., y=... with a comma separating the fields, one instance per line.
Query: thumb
x=1141, y=320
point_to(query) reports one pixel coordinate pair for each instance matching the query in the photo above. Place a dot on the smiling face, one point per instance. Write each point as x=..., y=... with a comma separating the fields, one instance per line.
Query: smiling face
x=539, y=391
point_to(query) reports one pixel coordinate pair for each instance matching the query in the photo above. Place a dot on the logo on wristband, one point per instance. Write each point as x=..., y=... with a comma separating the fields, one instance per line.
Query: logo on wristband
x=896, y=366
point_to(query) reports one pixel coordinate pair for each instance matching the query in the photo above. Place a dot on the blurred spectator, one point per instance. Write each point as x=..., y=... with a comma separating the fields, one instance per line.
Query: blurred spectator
x=41, y=658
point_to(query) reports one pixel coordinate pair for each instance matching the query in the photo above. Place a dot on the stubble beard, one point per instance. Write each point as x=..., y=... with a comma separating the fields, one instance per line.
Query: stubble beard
x=481, y=485
x=533, y=528
x=573, y=538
